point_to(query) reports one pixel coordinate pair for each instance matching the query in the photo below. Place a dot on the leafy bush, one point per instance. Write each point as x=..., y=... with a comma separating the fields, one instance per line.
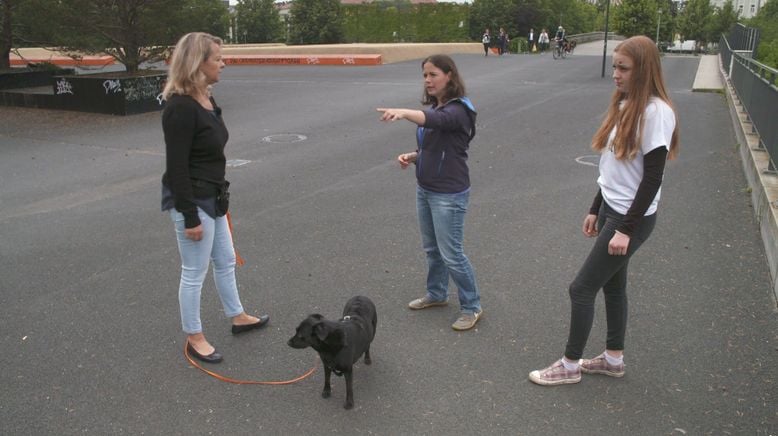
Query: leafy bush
x=767, y=53
x=400, y=21
x=767, y=23
x=44, y=66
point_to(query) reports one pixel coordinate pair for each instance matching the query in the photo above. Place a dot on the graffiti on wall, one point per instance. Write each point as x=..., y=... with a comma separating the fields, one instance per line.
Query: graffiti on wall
x=64, y=87
x=143, y=88
x=112, y=86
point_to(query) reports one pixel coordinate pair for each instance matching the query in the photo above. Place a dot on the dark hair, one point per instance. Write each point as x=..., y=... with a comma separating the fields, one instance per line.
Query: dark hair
x=455, y=87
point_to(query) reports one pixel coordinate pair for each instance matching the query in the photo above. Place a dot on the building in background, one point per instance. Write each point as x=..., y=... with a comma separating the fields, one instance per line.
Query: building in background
x=744, y=8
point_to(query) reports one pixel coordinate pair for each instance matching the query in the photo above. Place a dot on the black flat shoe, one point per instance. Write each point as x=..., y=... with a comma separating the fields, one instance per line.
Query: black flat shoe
x=263, y=320
x=214, y=357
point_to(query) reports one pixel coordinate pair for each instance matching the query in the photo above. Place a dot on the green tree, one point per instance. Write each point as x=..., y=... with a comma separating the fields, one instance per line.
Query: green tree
x=666, y=20
x=315, y=22
x=527, y=14
x=766, y=20
x=724, y=18
x=576, y=16
x=492, y=14
x=210, y=16
x=695, y=20
x=132, y=31
x=636, y=17
x=6, y=35
x=258, y=21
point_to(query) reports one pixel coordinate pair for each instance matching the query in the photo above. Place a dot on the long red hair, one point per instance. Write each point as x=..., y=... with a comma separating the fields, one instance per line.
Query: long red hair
x=625, y=110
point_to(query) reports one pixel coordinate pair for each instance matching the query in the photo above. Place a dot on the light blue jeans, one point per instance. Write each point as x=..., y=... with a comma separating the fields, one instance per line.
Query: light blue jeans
x=441, y=221
x=215, y=246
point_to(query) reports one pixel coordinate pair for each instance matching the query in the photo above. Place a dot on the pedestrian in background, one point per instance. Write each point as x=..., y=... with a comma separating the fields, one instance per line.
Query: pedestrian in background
x=194, y=188
x=443, y=136
x=530, y=40
x=639, y=133
x=486, y=39
x=503, y=42
x=543, y=41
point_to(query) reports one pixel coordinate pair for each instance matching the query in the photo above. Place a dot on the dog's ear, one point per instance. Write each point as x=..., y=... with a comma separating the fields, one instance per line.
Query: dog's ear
x=334, y=337
x=321, y=331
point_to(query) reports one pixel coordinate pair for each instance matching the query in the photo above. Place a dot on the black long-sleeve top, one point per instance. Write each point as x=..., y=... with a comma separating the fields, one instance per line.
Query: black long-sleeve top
x=194, y=152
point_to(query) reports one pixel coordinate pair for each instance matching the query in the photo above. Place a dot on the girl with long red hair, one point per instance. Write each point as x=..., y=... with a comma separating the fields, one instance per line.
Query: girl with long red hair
x=637, y=136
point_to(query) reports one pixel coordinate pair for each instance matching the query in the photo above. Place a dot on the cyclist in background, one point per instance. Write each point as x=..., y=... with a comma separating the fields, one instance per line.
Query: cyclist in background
x=560, y=38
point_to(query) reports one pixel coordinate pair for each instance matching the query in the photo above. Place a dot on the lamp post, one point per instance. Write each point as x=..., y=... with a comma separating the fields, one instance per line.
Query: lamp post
x=605, y=42
x=658, y=22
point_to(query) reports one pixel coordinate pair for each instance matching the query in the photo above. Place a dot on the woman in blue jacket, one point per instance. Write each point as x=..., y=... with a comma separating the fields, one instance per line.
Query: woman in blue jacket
x=443, y=136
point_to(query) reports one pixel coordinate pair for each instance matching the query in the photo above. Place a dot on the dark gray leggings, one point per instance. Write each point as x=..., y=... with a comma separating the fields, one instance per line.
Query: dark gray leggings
x=601, y=270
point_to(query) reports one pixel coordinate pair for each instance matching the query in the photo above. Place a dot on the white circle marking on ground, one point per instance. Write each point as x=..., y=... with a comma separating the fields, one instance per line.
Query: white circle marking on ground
x=589, y=159
x=284, y=138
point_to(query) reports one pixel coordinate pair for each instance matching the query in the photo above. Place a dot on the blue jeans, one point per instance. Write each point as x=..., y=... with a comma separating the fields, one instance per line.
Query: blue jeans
x=441, y=221
x=215, y=246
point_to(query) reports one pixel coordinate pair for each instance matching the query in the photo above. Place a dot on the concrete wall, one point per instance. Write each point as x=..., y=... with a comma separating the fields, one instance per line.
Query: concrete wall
x=390, y=53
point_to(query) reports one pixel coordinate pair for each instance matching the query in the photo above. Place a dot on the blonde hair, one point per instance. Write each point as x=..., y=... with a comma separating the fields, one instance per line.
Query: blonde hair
x=625, y=111
x=184, y=76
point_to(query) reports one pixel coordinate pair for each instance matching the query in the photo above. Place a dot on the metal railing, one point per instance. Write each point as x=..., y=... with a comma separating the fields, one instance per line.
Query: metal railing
x=744, y=38
x=755, y=85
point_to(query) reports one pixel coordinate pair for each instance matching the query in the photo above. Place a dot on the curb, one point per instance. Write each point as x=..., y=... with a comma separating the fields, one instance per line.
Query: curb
x=327, y=59
x=708, y=78
x=64, y=61
x=763, y=185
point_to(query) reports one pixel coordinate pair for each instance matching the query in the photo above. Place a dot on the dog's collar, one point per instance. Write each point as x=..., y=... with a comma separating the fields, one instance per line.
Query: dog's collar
x=346, y=318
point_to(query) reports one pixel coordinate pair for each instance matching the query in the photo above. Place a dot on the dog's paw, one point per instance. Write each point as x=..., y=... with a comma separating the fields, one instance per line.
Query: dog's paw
x=348, y=405
x=326, y=393
x=368, y=361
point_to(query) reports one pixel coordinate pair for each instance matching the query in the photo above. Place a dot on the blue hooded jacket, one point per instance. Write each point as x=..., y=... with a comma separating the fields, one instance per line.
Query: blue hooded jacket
x=443, y=141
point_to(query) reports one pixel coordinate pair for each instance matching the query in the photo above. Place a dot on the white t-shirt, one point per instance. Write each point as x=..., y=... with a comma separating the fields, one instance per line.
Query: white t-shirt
x=619, y=179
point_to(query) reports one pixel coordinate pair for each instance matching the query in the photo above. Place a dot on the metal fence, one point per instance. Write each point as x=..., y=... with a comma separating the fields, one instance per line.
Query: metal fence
x=755, y=85
x=744, y=38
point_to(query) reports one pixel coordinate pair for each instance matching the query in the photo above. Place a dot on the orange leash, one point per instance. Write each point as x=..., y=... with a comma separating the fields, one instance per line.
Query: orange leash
x=239, y=260
x=248, y=382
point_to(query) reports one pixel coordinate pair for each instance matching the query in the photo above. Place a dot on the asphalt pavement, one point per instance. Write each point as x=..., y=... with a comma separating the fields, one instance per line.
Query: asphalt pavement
x=90, y=332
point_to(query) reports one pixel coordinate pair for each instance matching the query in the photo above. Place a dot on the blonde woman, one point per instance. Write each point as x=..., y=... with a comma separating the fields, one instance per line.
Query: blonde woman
x=543, y=40
x=639, y=133
x=194, y=189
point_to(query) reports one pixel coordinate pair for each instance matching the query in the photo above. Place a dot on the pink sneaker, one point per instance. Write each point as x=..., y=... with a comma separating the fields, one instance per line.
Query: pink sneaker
x=600, y=365
x=555, y=374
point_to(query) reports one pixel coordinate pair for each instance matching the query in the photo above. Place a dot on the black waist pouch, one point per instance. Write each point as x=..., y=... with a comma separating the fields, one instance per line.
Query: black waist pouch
x=219, y=191
x=223, y=199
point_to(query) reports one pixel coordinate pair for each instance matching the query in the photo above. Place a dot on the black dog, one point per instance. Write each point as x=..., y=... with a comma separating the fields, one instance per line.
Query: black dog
x=340, y=343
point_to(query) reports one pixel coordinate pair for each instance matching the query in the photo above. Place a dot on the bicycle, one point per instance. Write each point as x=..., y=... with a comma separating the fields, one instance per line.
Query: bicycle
x=559, y=51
